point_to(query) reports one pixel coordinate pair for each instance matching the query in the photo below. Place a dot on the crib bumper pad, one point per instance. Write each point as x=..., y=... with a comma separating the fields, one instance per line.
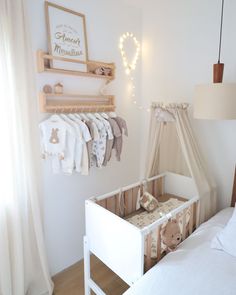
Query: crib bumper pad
x=146, y=218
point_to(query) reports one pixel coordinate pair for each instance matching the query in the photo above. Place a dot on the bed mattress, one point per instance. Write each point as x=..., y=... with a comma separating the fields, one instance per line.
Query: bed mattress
x=194, y=268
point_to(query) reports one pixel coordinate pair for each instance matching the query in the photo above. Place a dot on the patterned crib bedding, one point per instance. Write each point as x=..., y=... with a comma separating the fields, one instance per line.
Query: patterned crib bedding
x=145, y=218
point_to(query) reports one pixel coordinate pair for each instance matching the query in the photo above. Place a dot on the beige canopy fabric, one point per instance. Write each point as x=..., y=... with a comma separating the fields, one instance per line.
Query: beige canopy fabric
x=172, y=147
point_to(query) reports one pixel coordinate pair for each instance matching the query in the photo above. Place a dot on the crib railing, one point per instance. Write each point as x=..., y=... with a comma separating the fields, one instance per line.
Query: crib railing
x=124, y=247
x=123, y=202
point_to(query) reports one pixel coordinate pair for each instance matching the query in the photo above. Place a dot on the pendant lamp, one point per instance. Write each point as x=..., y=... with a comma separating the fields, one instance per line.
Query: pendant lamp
x=216, y=101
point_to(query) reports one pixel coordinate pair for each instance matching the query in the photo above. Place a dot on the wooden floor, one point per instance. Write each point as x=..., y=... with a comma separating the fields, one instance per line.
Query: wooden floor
x=71, y=281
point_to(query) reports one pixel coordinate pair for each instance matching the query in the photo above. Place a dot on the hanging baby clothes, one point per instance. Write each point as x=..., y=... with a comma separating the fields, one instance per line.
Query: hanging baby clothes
x=94, y=136
x=74, y=143
x=109, y=138
x=90, y=143
x=86, y=137
x=117, y=134
x=54, y=134
x=79, y=142
x=119, y=141
x=99, y=146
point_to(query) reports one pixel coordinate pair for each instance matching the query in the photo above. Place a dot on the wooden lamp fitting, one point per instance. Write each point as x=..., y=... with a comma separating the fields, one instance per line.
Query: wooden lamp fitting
x=218, y=71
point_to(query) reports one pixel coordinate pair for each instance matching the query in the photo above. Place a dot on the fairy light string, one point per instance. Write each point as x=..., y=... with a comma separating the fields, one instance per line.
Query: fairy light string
x=131, y=66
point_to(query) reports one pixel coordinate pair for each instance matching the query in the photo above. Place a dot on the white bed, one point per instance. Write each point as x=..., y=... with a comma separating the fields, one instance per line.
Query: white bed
x=195, y=268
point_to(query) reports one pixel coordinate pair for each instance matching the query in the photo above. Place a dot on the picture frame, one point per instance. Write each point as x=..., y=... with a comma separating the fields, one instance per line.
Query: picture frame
x=67, y=38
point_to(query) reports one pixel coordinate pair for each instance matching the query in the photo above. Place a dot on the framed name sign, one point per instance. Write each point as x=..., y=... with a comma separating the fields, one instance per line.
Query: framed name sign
x=66, y=37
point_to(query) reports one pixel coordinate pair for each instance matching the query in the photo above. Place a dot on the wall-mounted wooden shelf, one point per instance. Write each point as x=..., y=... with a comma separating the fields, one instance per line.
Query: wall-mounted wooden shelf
x=72, y=102
x=43, y=63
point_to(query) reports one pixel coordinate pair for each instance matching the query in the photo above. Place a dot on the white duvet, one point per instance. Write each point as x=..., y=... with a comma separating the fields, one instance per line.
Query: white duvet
x=194, y=268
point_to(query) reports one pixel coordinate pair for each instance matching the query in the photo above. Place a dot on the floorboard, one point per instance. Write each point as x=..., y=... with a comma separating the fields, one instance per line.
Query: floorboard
x=71, y=280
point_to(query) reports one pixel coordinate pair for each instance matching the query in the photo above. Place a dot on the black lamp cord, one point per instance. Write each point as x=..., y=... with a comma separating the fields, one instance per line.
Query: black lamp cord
x=221, y=25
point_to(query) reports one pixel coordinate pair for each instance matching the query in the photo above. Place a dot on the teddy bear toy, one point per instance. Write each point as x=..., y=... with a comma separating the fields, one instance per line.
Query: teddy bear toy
x=171, y=235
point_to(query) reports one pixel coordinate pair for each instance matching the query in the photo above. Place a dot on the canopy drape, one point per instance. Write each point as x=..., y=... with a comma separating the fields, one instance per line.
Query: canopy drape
x=173, y=147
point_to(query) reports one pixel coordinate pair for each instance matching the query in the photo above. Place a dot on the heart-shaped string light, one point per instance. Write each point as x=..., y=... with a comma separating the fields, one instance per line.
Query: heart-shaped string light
x=130, y=66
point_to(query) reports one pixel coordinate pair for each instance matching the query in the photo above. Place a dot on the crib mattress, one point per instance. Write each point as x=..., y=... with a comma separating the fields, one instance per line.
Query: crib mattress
x=144, y=218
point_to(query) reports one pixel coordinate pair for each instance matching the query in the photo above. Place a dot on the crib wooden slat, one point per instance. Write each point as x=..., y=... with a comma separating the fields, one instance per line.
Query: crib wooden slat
x=126, y=195
x=191, y=220
x=197, y=214
x=111, y=204
x=102, y=203
x=148, y=264
x=117, y=210
x=155, y=189
x=184, y=225
x=128, y=202
x=161, y=185
x=98, y=202
x=150, y=187
x=141, y=189
x=158, y=243
x=134, y=198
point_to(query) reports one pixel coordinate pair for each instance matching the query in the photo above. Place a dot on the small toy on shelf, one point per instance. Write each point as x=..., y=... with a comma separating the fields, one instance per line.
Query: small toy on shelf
x=103, y=71
x=47, y=89
x=58, y=88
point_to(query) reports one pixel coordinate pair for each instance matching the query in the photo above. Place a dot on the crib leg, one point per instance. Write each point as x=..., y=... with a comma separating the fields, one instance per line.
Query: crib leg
x=86, y=267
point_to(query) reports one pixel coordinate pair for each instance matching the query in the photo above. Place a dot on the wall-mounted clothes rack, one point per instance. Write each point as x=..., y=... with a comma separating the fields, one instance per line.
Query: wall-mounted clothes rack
x=64, y=103
x=43, y=64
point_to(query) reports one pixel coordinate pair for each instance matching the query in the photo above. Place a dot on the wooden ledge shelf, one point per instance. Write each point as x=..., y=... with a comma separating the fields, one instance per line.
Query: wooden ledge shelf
x=72, y=102
x=43, y=64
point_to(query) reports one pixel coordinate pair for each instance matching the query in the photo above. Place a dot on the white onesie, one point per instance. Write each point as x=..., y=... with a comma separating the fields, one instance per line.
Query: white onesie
x=79, y=142
x=54, y=142
x=86, y=137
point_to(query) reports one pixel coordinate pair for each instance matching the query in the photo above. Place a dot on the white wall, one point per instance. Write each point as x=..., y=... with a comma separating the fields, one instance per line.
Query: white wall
x=64, y=196
x=180, y=44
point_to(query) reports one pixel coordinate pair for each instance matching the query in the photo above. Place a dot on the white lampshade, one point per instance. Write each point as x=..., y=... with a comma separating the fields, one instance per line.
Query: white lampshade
x=216, y=101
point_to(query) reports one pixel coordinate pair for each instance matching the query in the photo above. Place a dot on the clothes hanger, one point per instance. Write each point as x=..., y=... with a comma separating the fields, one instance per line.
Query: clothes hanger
x=83, y=115
x=55, y=117
x=73, y=116
x=112, y=114
x=91, y=116
x=78, y=115
x=98, y=116
x=104, y=115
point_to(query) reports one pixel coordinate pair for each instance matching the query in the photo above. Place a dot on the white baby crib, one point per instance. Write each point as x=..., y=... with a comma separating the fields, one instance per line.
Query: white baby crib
x=122, y=246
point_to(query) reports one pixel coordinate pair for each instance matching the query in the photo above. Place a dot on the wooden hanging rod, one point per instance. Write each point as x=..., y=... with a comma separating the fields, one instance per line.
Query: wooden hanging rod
x=78, y=109
x=83, y=103
x=43, y=64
